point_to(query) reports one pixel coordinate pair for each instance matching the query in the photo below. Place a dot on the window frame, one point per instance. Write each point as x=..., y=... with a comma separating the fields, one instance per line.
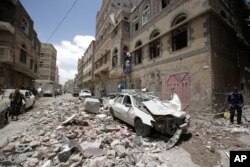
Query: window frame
x=145, y=14
x=155, y=45
x=23, y=56
x=25, y=25
x=138, y=53
x=179, y=33
x=115, y=58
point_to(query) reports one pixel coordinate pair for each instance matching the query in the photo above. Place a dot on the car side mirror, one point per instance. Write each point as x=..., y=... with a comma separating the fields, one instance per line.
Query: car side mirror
x=128, y=105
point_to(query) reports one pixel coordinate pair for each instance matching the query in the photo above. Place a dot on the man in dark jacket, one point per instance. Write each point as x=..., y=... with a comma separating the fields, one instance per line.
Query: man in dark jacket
x=16, y=99
x=235, y=101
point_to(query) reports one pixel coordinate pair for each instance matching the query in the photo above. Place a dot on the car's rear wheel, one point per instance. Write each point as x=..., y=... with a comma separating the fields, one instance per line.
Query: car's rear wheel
x=142, y=129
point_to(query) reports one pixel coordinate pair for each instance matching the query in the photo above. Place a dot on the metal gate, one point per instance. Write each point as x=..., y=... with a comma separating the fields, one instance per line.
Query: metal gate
x=180, y=83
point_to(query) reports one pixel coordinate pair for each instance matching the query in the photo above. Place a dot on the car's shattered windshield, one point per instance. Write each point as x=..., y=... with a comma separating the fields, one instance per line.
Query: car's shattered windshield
x=139, y=99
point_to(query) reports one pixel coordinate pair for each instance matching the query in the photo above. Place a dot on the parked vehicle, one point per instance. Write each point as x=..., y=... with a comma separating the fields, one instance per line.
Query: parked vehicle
x=28, y=95
x=145, y=112
x=48, y=89
x=85, y=93
x=29, y=98
x=4, y=110
x=44, y=87
x=75, y=92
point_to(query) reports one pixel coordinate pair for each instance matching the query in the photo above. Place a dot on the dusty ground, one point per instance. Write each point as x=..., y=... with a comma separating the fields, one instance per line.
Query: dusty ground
x=207, y=144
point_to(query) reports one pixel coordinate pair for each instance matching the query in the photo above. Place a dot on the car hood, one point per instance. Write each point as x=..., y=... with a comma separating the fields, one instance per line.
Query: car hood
x=171, y=107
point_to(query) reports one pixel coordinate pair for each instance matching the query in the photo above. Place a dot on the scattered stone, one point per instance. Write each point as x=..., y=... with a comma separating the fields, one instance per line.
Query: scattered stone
x=93, y=152
x=47, y=164
x=137, y=141
x=92, y=105
x=34, y=144
x=64, y=155
x=9, y=148
x=120, y=150
x=21, y=158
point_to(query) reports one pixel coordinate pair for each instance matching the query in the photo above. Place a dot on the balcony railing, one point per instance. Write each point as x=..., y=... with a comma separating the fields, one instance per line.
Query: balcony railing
x=7, y=27
x=6, y=55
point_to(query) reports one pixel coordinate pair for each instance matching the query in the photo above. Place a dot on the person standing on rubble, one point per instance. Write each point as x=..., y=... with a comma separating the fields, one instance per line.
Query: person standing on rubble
x=235, y=101
x=16, y=99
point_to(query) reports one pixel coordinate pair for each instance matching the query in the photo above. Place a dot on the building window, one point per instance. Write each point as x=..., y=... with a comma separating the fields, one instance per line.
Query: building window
x=180, y=18
x=145, y=15
x=31, y=64
x=164, y=3
x=25, y=26
x=136, y=23
x=105, y=59
x=126, y=26
x=35, y=68
x=115, y=58
x=41, y=64
x=180, y=34
x=138, y=53
x=23, y=56
x=154, y=46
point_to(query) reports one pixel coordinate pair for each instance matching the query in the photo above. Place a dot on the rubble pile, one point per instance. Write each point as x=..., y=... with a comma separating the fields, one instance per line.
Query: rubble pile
x=64, y=135
x=218, y=134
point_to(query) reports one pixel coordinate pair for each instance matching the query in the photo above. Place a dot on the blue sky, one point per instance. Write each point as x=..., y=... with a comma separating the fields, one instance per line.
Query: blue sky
x=73, y=36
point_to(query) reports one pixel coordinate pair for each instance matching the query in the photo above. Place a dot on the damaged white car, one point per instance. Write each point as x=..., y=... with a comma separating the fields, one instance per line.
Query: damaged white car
x=145, y=112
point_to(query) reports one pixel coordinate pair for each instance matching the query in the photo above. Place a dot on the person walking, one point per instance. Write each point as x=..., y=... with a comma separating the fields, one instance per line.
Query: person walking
x=235, y=101
x=16, y=99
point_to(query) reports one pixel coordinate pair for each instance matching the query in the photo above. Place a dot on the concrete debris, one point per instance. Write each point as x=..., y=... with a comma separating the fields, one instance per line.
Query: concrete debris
x=92, y=105
x=64, y=155
x=47, y=164
x=120, y=150
x=69, y=119
x=65, y=135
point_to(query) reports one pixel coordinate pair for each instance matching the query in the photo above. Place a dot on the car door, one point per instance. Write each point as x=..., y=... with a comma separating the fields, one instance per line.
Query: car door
x=32, y=98
x=126, y=109
x=27, y=99
x=117, y=106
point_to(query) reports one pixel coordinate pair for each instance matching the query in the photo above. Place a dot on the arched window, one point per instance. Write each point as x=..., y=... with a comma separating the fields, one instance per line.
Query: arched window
x=180, y=18
x=154, y=46
x=180, y=34
x=115, y=58
x=138, y=53
x=25, y=26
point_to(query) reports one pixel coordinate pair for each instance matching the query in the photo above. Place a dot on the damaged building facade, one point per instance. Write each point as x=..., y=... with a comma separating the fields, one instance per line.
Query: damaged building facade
x=85, y=68
x=47, y=62
x=199, y=48
x=19, y=46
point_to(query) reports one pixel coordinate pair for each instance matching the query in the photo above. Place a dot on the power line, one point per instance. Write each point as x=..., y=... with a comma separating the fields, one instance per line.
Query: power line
x=64, y=17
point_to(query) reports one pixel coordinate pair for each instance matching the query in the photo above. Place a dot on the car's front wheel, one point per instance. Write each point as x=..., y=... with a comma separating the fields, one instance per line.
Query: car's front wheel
x=33, y=104
x=142, y=129
x=112, y=113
